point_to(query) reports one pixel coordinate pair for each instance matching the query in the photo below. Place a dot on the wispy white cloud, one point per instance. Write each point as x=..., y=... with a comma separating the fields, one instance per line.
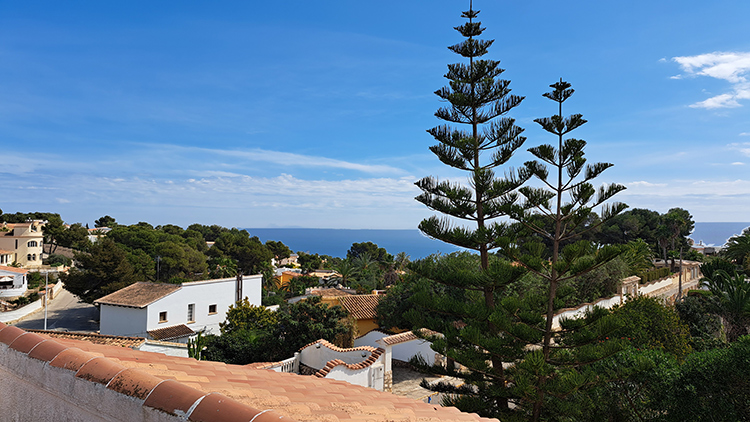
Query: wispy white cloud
x=181, y=185
x=281, y=158
x=738, y=163
x=645, y=184
x=745, y=134
x=741, y=147
x=706, y=199
x=732, y=67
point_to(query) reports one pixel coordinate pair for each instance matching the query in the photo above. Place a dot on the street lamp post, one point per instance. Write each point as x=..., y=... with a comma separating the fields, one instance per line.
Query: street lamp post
x=46, y=297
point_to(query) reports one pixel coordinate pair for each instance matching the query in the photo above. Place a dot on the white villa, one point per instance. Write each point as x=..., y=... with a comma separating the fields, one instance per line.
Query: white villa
x=24, y=241
x=173, y=312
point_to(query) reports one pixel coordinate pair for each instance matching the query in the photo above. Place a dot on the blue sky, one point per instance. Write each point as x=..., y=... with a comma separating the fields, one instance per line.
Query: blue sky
x=313, y=114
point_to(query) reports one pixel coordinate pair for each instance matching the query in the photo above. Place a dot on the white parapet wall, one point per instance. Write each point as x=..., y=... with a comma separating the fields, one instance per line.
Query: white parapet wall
x=647, y=289
x=362, y=365
x=318, y=354
x=580, y=311
x=33, y=390
x=11, y=317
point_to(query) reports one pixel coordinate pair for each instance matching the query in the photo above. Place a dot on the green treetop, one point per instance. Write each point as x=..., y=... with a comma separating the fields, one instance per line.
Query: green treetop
x=478, y=99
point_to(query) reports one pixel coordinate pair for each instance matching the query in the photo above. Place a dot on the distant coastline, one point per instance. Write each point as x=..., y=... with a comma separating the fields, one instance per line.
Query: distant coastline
x=335, y=242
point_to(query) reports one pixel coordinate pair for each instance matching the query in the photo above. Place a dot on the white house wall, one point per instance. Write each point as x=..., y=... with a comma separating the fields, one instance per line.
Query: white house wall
x=370, y=339
x=406, y=350
x=219, y=292
x=317, y=358
x=122, y=321
x=19, y=285
x=371, y=376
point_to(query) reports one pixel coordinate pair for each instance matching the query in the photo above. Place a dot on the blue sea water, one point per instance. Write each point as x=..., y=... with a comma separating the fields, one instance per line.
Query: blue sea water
x=716, y=234
x=335, y=242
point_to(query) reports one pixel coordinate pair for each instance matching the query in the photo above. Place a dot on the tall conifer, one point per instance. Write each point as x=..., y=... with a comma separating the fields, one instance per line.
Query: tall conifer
x=478, y=99
x=558, y=212
x=466, y=288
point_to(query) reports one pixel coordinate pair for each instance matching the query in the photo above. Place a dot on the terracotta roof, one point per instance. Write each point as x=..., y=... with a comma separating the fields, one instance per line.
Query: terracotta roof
x=198, y=389
x=13, y=270
x=330, y=292
x=361, y=306
x=4, y=252
x=14, y=225
x=407, y=336
x=93, y=338
x=172, y=332
x=139, y=295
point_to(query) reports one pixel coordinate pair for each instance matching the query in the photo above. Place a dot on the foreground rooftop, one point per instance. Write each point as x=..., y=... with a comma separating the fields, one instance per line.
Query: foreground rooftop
x=197, y=390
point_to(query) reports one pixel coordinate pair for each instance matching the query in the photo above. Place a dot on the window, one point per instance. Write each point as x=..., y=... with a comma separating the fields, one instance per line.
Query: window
x=191, y=312
x=28, y=257
x=32, y=244
x=211, y=309
x=163, y=316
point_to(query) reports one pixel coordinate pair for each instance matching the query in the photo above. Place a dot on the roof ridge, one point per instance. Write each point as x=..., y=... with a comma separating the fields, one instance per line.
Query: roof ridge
x=169, y=396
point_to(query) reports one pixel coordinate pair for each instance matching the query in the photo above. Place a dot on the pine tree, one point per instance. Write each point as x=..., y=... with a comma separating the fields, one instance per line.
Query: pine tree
x=566, y=202
x=465, y=288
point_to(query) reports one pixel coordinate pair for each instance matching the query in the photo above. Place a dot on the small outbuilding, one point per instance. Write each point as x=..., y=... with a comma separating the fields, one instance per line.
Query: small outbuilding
x=12, y=281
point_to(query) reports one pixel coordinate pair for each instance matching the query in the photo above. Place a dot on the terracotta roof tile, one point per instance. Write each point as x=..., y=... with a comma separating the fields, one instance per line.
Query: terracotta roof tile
x=46, y=350
x=9, y=333
x=93, y=338
x=99, y=369
x=139, y=295
x=25, y=342
x=172, y=332
x=407, y=336
x=331, y=292
x=230, y=392
x=361, y=306
x=13, y=269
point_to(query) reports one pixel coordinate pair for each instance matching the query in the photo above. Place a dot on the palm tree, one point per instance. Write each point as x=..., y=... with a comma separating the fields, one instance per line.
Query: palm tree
x=364, y=262
x=638, y=255
x=402, y=259
x=737, y=248
x=347, y=272
x=733, y=291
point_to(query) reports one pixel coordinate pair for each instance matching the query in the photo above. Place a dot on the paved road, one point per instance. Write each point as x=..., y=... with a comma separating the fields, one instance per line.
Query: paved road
x=65, y=312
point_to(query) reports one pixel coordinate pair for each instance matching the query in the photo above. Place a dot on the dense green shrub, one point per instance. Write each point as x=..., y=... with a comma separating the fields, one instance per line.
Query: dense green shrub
x=713, y=386
x=650, y=324
x=34, y=280
x=652, y=275
x=56, y=260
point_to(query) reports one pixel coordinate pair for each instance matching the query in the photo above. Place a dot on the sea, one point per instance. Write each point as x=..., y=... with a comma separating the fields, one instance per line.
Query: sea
x=335, y=242
x=716, y=234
